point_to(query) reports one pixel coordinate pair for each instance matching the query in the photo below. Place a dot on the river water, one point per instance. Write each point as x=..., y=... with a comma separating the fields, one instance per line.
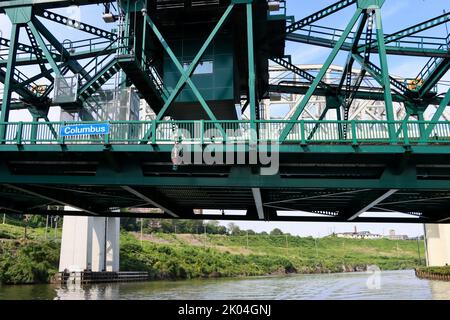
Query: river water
x=388, y=285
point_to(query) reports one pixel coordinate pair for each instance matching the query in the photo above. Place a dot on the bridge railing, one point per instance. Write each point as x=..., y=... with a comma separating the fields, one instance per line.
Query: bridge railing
x=330, y=36
x=205, y=132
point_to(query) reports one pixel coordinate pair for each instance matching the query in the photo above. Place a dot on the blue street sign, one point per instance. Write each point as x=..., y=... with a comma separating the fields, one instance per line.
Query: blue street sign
x=84, y=129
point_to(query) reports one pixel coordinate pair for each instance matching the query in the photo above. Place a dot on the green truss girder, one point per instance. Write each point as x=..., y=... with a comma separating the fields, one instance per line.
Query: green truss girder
x=301, y=106
x=362, y=94
x=438, y=70
x=346, y=75
x=52, y=16
x=48, y=4
x=377, y=74
x=319, y=15
x=286, y=63
x=416, y=48
x=444, y=18
x=437, y=116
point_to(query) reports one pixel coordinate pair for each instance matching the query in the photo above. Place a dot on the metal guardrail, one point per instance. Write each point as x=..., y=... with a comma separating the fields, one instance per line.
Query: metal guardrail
x=206, y=132
x=332, y=35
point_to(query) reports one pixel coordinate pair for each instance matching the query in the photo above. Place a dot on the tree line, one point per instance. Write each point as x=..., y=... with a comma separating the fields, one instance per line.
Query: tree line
x=189, y=226
x=148, y=225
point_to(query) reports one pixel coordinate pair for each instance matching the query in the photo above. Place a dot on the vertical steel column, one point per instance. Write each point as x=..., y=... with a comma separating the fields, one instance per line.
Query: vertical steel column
x=251, y=72
x=144, y=37
x=34, y=129
x=399, y=130
x=421, y=119
x=340, y=127
x=385, y=76
x=10, y=66
x=437, y=115
x=127, y=23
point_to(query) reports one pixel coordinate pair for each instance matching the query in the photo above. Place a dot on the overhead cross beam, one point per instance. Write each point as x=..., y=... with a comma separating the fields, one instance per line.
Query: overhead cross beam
x=155, y=202
x=74, y=65
x=258, y=202
x=78, y=25
x=444, y=18
x=54, y=198
x=373, y=204
x=5, y=4
x=302, y=73
x=319, y=15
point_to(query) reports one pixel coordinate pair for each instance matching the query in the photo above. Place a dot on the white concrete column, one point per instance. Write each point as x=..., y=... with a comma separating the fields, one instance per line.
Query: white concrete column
x=84, y=244
x=112, y=245
x=437, y=244
x=98, y=243
x=76, y=244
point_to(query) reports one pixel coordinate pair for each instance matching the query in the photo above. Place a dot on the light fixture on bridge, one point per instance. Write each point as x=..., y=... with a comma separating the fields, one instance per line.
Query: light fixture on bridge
x=109, y=17
x=274, y=5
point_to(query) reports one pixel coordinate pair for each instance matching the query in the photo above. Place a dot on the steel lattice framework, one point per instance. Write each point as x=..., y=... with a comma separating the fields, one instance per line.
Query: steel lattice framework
x=395, y=160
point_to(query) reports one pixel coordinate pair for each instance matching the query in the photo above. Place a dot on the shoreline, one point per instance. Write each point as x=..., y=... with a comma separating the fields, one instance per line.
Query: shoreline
x=270, y=276
x=189, y=256
x=429, y=275
x=238, y=277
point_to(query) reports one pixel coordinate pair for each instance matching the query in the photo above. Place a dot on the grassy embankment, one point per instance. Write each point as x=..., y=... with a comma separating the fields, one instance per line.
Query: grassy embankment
x=177, y=256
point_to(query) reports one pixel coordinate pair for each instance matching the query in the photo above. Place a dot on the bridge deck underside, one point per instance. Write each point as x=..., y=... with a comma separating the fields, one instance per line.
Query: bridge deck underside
x=335, y=186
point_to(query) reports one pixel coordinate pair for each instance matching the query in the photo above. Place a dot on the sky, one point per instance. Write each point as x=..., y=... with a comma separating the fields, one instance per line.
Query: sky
x=397, y=15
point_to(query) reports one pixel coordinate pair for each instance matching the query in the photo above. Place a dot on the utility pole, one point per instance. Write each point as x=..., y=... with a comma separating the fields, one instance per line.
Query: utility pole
x=247, y=239
x=46, y=228
x=287, y=244
x=317, y=251
x=142, y=229
x=418, y=250
x=56, y=227
x=204, y=228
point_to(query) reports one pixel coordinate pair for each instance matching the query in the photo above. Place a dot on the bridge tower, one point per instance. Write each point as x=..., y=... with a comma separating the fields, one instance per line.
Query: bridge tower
x=202, y=42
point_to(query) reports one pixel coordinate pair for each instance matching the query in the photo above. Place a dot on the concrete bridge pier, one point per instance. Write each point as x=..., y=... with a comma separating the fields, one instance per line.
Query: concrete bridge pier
x=437, y=244
x=90, y=243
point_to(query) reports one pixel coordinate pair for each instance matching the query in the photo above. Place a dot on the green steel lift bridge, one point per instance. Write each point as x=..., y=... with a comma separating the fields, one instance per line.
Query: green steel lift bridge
x=201, y=65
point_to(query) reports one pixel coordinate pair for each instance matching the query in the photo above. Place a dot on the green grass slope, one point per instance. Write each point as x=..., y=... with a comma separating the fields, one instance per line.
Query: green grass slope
x=186, y=256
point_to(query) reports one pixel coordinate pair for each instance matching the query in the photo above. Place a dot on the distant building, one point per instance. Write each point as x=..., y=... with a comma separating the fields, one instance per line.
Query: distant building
x=358, y=235
x=155, y=224
x=393, y=236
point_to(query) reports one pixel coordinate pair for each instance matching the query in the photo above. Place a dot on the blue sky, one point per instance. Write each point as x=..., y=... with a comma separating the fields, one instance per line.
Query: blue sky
x=397, y=14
